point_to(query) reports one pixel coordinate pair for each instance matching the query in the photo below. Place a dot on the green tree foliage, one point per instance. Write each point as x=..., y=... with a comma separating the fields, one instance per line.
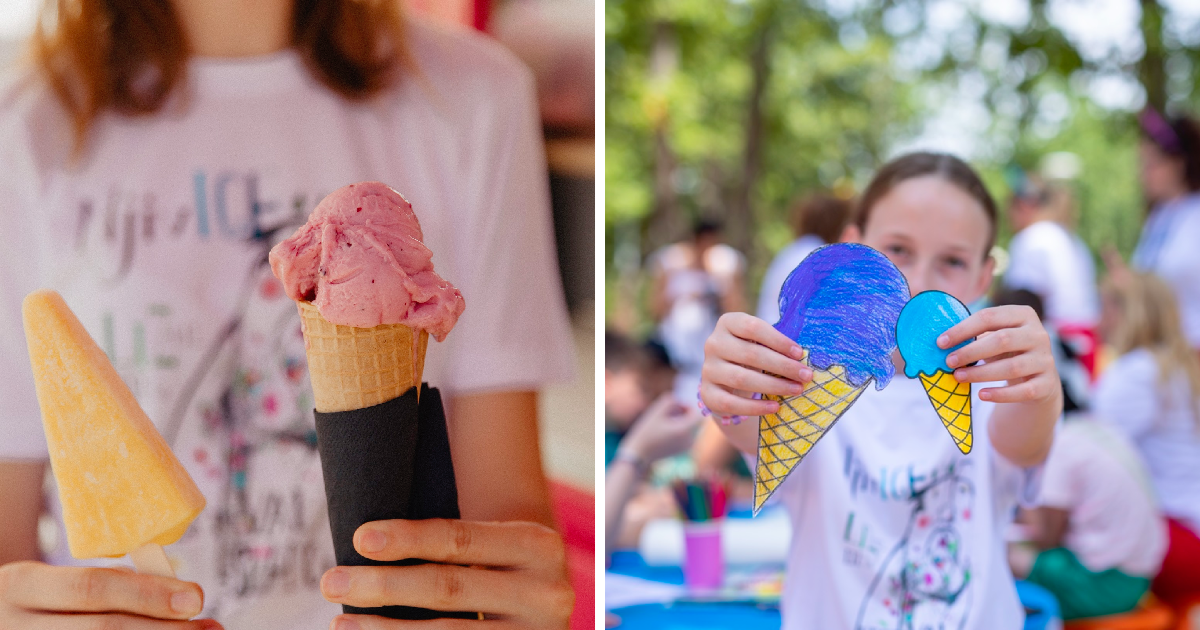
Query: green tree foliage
x=733, y=108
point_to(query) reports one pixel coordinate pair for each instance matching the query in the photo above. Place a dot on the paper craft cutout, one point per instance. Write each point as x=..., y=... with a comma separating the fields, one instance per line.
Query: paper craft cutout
x=926, y=316
x=840, y=305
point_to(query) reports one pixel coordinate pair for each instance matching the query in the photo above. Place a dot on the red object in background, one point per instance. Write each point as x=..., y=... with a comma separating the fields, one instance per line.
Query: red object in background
x=1178, y=582
x=575, y=513
x=482, y=12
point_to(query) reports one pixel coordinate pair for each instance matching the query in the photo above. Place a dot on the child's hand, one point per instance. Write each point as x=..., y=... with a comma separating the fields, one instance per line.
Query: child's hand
x=37, y=595
x=737, y=354
x=513, y=572
x=1014, y=348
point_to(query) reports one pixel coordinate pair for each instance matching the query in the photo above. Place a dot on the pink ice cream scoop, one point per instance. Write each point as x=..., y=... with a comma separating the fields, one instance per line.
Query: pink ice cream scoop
x=361, y=262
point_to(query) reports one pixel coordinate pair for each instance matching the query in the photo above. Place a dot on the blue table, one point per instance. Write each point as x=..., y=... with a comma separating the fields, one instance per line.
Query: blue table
x=687, y=615
x=1040, y=605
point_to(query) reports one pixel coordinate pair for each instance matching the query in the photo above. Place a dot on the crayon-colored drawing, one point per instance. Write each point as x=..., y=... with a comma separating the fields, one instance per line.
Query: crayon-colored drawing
x=840, y=305
x=924, y=318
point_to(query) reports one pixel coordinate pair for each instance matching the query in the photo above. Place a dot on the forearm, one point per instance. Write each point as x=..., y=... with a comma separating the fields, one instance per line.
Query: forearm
x=497, y=458
x=1023, y=432
x=743, y=435
x=620, y=482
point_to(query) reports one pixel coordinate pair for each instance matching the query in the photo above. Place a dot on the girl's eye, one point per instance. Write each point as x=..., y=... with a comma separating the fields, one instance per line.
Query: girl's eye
x=956, y=262
x=897, y=250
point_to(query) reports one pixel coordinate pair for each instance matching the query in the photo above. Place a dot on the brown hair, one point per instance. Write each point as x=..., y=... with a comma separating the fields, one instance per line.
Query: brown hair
x=942, y=165
x=1149, y=318
x=129, y=55
x=821, y=214
x=1178, y=137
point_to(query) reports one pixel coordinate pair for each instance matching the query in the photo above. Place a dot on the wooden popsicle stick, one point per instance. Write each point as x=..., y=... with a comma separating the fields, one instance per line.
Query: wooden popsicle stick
x=151, y=559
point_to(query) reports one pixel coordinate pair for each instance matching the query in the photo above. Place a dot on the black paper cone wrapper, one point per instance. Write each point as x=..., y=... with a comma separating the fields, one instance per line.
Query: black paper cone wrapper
x=390, y=461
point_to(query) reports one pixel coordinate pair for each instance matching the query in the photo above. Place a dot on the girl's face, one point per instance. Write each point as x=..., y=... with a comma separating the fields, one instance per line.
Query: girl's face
x=1162, y=175
x=935, y=233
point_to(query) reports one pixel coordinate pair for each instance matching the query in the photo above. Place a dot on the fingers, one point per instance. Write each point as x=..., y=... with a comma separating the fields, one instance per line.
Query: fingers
x=1011, y=369
x=725, y=403
x=986, y=320
x=371, y=622
x=737, y=377
x=1038, y=388
x=751, y=328
x=510, y=544
x=1005, y=342
x=446, y=587
x=37, y=586
x=782, y=358
x=117, y=621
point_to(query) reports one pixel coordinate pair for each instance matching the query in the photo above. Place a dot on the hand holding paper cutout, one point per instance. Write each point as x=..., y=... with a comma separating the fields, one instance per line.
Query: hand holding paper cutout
x=840, y=305
x=926, y=316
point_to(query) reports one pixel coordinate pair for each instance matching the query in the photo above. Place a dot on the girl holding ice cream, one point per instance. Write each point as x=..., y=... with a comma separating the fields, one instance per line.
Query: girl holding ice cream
x=152, y=156
x=892, y=525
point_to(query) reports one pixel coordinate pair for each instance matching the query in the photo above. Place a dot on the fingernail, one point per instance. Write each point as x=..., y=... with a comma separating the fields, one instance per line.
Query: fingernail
x=795, y=388
x=806, y=374
x=943, y=341
x=985, y=395
x=336, y=583
x=348, y=624
x=952, y=360
x=960, y=376
x=372, y=541
x=185, y=603
x=797, y=353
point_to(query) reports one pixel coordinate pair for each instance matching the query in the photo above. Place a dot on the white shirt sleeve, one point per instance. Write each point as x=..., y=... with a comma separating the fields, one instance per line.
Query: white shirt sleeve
x=1028, y=267
x=514, y=333
x=1124, y=397
x=21, y=435
x=1058, y=479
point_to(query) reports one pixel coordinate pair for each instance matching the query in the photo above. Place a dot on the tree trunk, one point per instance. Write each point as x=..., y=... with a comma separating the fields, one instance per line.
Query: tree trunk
x=740, y=225
x=665, y=223
x=1151, y=69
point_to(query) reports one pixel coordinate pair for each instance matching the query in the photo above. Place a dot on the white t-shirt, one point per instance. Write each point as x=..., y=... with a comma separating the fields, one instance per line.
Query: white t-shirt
x=1160, y=419
x=1047, y=260
x=158, y=241
x=1095, y=474
x=1168, y=248
x=777, y=273
x=891, y=522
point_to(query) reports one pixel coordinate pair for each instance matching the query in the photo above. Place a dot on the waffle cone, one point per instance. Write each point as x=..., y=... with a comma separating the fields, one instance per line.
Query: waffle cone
x=785, y=437
x=355, y=368
x=952, y=401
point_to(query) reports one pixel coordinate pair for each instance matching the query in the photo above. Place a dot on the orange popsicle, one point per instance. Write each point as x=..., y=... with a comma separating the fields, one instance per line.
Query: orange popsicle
x=122, y=489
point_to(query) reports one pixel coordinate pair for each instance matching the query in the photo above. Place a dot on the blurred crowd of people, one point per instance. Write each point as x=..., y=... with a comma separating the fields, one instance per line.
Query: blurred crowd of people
x=1119, y=510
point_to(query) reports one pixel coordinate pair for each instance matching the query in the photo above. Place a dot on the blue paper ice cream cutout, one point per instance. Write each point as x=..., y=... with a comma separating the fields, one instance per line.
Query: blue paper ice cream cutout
x=841, y=305
x=926, y=316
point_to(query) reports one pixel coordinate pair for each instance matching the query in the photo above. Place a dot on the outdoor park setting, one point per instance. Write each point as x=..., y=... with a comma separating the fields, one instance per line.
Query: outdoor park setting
x=742, y=135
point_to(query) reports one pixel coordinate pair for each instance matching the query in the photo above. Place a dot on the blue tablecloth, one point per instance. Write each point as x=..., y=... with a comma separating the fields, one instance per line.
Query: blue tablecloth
x=686, y=615
x=1040, y=605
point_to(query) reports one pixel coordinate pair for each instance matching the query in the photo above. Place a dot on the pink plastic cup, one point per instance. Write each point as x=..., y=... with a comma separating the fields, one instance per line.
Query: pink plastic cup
x=703, y=567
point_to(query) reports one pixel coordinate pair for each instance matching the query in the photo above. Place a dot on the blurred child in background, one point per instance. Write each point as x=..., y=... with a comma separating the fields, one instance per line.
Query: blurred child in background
x=1151, y=394
x=693, y=283
x=1169, y=159
x=1049, y=260
x=817, y=219
x=1096, y=539
x=644, y=423
x=892, y=525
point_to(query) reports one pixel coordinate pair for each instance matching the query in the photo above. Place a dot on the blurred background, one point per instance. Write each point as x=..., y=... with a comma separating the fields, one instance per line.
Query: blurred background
x=738, y=134
x=735, y=109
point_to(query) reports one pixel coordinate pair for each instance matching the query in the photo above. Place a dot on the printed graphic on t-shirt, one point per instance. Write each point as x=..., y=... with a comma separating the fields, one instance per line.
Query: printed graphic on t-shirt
x=232, y=396
x=922, y=579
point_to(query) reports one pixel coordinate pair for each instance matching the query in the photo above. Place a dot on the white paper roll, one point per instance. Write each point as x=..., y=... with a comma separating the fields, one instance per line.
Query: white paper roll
x=760, y=540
